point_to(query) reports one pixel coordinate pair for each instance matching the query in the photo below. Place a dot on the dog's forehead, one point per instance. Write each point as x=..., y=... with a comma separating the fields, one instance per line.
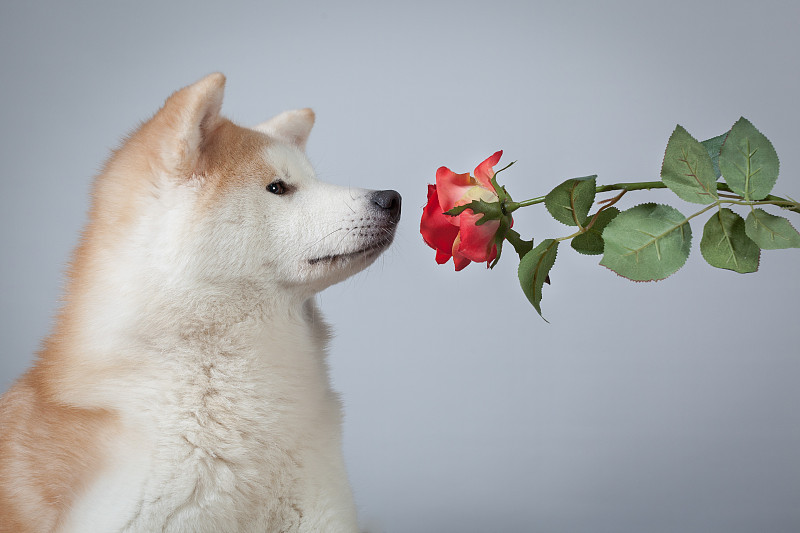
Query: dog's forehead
x=288, y=162
x=235, y=155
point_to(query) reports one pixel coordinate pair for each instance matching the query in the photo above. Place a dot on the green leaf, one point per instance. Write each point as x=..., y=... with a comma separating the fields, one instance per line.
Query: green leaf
x=521, y=246
x=725, y=244
x=533, y=270
x=687, y=169
x=648, y=242
x=591, y=242
x=771, y=232
x=748, y=161
x=569, y=203
x=714, y=145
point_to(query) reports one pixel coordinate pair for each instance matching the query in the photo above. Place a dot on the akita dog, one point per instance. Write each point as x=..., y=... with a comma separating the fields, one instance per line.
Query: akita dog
x=185, y=386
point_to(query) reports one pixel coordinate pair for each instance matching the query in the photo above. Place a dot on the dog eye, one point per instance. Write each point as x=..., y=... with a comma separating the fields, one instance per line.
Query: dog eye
x=277, y=187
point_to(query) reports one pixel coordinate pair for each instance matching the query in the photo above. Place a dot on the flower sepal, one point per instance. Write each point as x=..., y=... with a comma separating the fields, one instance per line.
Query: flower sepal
x=489, y=210
x=502, y=194
x=500, y=237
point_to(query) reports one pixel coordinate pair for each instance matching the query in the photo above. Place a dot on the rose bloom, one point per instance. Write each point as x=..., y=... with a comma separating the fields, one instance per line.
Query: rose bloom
x=459, y=237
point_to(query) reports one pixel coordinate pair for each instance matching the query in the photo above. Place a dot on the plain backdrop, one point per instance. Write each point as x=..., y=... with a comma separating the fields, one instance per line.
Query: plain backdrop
x=661, y=407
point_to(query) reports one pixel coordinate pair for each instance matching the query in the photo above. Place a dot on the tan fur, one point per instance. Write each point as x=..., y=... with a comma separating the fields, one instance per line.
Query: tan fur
x=50, y=448
x=51, y=452
x=228, y=159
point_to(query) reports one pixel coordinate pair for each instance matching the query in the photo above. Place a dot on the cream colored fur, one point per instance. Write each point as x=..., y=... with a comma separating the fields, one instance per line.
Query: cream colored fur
x=185, y=386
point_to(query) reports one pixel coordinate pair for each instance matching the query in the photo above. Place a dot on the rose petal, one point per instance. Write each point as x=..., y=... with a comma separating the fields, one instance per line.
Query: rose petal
x=459, y=260
x=437, y=230
x=484, y=172
x=476, y=242
x=442, y=257
x=452, y=187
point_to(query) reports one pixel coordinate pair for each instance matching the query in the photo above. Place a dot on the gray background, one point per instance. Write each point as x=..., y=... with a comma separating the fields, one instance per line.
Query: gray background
x=641, y=407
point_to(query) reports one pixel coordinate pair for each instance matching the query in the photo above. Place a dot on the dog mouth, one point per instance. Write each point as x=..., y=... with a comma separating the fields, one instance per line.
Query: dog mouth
x=367, y=252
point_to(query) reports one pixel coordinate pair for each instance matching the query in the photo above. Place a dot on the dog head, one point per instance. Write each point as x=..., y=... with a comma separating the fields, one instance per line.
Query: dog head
x=193, y=198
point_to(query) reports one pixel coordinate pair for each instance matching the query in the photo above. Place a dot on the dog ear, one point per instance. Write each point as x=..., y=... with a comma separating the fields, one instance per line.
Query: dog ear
x=186, y=120
x=291, y=127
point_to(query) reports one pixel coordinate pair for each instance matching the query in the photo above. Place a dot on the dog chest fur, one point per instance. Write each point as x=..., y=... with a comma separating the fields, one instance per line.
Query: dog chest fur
x=244, y=433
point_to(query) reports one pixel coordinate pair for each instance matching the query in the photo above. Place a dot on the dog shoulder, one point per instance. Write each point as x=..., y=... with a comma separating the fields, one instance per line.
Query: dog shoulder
x=48, y=454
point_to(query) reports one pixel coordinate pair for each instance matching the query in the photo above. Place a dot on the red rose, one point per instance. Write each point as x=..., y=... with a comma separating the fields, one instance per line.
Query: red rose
x=458, y=236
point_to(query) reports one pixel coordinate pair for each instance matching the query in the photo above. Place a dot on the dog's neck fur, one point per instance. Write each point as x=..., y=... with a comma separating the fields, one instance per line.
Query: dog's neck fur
x=175, y=327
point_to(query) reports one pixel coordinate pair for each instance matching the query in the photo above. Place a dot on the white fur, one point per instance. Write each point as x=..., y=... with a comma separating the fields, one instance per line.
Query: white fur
x=202, y=335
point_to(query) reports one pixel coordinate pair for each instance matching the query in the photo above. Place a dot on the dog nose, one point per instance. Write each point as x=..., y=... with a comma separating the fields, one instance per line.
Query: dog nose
x=388, y=201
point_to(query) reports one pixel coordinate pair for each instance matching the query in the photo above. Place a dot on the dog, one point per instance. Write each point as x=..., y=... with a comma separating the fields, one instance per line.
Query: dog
x=185, y=385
